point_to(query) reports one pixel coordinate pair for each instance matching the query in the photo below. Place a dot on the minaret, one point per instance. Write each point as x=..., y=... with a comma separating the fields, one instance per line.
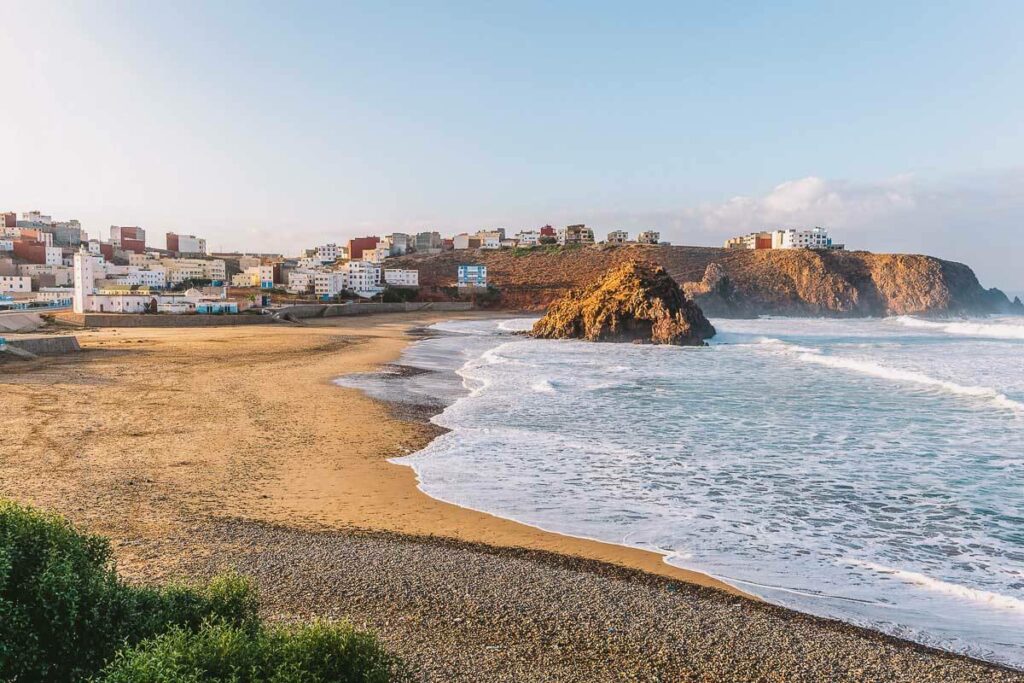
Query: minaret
x=85, y=280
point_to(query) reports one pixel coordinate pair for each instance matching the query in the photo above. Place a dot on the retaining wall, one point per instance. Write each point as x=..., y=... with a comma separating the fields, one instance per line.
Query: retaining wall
x=301, y=311
x=166, y=320
x=43, y=346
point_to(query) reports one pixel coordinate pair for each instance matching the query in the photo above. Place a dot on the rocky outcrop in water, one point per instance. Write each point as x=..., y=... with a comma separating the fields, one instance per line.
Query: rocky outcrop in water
x=635, y=302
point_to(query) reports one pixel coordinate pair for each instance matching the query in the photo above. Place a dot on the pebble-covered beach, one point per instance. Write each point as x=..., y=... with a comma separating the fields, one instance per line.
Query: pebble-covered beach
x=466, y=612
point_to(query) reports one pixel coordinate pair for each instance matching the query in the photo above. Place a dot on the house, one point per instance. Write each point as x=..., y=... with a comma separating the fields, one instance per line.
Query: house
x=649, y=237
x=301, y=281
x=472, y=275
x=575, y=234
x=528, y=238
x=15, y=284
x=400, y=277
x=465, y=241
x=617, y=237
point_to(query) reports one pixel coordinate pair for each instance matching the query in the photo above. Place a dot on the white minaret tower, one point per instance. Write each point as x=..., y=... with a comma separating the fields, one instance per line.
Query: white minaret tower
x=85, y=280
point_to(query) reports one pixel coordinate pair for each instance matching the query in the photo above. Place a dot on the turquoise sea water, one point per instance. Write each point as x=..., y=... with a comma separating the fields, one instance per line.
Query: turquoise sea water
x=866, y=470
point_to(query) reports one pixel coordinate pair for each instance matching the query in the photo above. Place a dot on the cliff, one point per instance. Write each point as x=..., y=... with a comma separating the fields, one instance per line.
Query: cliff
x=635, y=302
x=731, y=282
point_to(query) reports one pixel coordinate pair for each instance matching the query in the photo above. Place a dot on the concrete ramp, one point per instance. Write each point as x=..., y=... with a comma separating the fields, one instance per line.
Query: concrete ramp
x=8, y=350
x=20, y=322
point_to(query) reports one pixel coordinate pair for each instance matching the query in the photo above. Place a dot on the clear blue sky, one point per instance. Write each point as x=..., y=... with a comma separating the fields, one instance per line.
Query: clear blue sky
x=273, y=126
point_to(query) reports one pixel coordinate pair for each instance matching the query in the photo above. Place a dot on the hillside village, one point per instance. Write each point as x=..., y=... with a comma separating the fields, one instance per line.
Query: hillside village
x=54, y=264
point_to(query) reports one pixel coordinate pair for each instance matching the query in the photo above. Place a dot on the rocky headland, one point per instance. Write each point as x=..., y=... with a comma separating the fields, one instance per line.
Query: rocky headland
x=635, y=302
x=734, y=282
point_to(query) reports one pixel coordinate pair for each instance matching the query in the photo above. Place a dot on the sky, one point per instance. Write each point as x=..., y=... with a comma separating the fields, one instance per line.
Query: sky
x=276, y=126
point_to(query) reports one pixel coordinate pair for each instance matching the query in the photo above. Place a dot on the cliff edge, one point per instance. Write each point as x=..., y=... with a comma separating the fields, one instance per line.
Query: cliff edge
x=736, y=282
x=635, y=302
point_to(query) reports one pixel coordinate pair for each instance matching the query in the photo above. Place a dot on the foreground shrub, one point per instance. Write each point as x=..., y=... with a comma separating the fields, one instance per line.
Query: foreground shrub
x=64, y=611
x=315, y=653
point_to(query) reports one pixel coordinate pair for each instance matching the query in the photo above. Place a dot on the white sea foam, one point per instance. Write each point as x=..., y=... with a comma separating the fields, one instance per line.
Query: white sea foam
x=768, y=462
x=990, y=330
x=986, y=598
x=902, y=376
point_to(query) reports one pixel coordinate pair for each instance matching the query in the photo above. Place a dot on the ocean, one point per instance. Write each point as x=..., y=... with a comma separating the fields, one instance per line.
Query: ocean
x=870, y=471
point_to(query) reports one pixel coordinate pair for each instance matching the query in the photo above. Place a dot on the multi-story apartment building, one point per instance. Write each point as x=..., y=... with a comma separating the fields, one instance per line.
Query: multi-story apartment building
x=186, y=245
x=400, y=277
x=329, y=253
x=617, y=237
x=362, y=277
x=472, y=275
x=377, y=254
x=357, y=245
x=649, y=237
x=128, y=238
x=815, y=238
x=428, y=242
x=301, y=281
x=575, y=234
x=328, y=283
x=528, y=238
x=15, y=284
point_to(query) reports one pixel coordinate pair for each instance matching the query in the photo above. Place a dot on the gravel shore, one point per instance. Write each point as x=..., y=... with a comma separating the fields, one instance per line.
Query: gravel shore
x=459, y=611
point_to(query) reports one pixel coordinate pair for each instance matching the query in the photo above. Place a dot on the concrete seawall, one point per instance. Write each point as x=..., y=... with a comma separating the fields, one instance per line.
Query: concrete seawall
x=303, y=311
x=45, y=346
x=166, y=320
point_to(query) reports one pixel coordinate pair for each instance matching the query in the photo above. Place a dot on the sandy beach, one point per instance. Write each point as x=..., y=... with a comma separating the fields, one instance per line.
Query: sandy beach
x=197, y=450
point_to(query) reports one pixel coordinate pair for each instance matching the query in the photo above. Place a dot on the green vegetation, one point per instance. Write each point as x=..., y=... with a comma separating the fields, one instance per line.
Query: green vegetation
x=328, y=653
x=399, y=295
x=65, y=615
x=190, y=283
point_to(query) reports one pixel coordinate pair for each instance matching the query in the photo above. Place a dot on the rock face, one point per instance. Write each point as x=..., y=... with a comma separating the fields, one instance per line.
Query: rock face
x=736, y=282
x=635, y=302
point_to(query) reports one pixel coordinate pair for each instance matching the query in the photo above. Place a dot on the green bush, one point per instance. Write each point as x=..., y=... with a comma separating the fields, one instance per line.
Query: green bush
x=64, y=611
x=65, y=615
x=318, y=652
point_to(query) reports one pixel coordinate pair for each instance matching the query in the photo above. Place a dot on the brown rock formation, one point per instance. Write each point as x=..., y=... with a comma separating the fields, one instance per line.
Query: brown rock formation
x=635, y=302
x=737, y=282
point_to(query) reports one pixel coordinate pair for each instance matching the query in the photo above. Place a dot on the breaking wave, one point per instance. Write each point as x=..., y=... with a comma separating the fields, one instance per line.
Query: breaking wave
x=985, y=330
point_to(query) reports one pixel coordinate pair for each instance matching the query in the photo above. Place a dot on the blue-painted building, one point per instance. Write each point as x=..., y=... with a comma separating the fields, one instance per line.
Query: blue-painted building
x=472, y=275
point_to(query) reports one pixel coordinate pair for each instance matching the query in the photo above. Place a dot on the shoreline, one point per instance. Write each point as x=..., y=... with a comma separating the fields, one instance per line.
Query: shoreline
x=204, y=450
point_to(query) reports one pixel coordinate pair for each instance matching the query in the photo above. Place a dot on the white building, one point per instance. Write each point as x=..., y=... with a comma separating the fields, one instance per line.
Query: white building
x=362, y=277
x=328, y=283
x=6, y=245
x=61, y=274
x=36, y=217
x=328, y=253
x=815, y=238
x=472, y=275
x=301, y=281
x=491, y=239
x=182, y=269
x=94, y=294
x=377, y=254
x=15, y=284
x=54, y=256
x=649, y=237
x=528, y=238
x=398, y=277
x=618, y=237
x=465, y=241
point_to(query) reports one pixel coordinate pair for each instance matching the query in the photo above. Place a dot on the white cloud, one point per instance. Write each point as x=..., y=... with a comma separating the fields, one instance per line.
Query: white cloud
x=976, y=219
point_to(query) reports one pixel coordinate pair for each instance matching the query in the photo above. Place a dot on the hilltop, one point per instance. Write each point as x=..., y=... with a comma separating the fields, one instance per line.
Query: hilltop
x=735, y=282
